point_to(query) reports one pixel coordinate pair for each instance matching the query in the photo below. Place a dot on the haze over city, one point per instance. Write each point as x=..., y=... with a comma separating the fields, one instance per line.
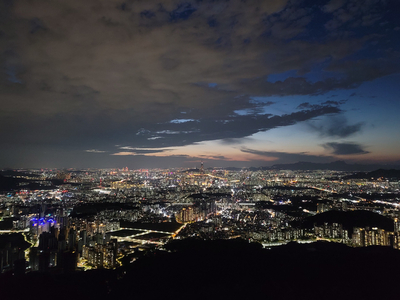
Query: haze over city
x=169, y=83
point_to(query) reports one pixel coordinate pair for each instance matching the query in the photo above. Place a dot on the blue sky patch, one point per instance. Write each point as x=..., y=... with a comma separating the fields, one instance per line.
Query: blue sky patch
x=182, y=12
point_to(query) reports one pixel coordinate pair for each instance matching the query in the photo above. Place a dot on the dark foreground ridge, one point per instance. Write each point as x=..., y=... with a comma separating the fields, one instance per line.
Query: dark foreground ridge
x=228, y=269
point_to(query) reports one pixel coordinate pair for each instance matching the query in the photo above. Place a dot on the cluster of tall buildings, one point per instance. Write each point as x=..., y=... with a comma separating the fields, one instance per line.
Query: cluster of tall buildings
x=359, y=237
x=277, y=234
x=196, y=213
x=63, y=240
x=331, y=231
x=12, y=256
x=363, y=237
x=101, y=255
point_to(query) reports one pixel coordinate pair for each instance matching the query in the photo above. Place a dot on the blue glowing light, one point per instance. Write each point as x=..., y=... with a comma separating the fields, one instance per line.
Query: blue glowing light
x=42, y=221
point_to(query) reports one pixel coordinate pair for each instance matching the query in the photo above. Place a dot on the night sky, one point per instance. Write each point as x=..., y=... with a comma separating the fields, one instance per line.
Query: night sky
x=162, y=83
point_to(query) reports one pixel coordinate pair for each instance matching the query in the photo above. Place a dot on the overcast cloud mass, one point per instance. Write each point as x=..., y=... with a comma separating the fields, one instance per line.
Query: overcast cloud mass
x=162, y=83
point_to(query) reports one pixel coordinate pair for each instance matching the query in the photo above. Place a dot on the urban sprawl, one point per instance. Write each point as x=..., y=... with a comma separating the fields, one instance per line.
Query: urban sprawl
x=67, y=220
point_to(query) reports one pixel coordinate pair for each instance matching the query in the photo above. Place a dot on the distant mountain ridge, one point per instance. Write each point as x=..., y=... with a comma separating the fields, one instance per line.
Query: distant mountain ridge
x=334, y=166
x=8, y=184
x=381, y=173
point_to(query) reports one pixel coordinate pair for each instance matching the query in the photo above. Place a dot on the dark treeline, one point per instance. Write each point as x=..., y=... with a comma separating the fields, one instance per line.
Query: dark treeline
x=229, y=269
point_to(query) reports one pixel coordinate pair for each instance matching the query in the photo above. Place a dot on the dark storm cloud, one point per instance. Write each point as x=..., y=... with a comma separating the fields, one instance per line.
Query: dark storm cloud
x=230, y=129
x=344, y=148
x=233, y=141
x=335, y=126
x=290, y=157
x=295, y=86
x=367, y=69
x=37, y=25
x=307, y=105
x=334, y=103
x=182, y=12
x=90, y=74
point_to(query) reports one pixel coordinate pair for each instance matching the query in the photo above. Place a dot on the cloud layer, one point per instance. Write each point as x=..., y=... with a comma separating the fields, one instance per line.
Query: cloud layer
x=91, y=74
x=345, y=148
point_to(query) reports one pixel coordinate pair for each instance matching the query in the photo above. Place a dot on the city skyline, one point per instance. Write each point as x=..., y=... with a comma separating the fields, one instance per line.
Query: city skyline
x=130, y=234
x=148, y=84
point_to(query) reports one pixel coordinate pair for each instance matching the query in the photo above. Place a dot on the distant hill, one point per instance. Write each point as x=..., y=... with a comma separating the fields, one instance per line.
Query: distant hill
x=381, y=173
x=334, y=166
x=13, y=240
x=8, y=183
x=350, y=219
x=88, y=209
x=12, y=173
x=6, y=224
x=164, y=226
